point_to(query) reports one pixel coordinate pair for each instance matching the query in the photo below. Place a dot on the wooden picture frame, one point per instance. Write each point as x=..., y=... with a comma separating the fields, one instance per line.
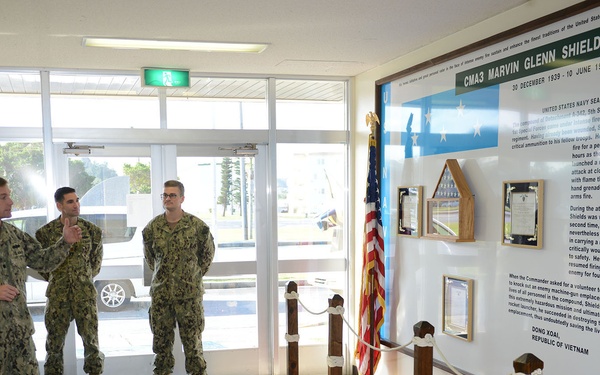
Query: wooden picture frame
x=522, y=213
x=457, y=307
x=410, y=206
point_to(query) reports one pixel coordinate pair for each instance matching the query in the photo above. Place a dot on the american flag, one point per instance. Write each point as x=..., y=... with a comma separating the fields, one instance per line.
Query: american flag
x=372, y=302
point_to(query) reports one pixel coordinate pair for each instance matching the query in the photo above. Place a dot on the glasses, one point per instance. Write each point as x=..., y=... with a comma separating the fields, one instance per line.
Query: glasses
x=165, y=196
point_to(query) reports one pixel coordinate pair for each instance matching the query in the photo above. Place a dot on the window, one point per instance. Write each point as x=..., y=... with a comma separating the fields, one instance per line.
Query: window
x=224, y=198
x=20, y=99
x=310, y=105
x=102, y=101
x=219, y=103
x=311, y=189
x=311, y=230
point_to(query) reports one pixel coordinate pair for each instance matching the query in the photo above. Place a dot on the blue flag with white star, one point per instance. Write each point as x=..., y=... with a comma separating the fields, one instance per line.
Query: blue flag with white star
x=443, y=122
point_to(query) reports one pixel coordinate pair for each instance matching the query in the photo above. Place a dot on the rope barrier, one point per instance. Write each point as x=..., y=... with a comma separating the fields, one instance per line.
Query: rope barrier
x=292, y=338
x=444, y=357
x=294, y=295
x=338, y=310
x=423, y=342
x=335, y=361
x=427, y=341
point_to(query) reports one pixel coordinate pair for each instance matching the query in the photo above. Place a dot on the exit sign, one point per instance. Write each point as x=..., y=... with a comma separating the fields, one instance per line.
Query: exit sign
x=155, y=77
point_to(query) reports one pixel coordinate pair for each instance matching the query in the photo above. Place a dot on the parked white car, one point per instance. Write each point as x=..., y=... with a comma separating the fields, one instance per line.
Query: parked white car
x=122, y=273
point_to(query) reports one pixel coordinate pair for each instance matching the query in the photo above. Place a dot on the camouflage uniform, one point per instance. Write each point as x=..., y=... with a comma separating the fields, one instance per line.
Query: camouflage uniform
x=17, y=251
x=72, y=295
x=179, y=258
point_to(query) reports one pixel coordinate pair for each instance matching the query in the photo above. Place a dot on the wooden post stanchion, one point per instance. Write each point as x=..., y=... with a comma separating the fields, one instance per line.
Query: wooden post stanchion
x=292, y=329
x=423, y=354
x=527, y=364
x=336, y=324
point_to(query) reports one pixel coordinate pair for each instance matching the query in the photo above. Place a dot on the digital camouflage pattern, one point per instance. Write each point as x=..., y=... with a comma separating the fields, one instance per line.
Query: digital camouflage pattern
x=21, y=360
x=18, y=250
x=72, y=296
x=190, y=314
x=179, y=258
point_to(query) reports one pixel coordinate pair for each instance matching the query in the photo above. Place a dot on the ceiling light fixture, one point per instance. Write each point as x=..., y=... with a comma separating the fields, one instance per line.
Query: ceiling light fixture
x=176, y=45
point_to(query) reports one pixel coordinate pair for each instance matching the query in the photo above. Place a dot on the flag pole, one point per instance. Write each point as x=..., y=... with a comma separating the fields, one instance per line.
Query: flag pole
x=372, y=301
x=372, y=121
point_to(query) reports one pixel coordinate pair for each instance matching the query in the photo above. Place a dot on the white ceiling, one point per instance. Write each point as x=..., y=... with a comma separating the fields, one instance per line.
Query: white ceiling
x=312, y=37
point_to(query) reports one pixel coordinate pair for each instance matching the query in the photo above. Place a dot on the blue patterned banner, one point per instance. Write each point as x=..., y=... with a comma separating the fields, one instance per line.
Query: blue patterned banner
x=443, y=122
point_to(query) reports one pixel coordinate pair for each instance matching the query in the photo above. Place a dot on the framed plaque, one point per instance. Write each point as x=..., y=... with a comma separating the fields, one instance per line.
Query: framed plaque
x=410, y=202
x=457, y=307
x=522, y=213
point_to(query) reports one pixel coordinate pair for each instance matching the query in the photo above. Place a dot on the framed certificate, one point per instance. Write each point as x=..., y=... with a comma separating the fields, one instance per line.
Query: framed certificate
x=410, y=202
x=457, y=307
x=522, y=213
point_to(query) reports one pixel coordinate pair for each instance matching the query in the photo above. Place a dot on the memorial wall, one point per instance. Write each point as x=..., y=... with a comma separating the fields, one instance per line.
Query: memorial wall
x=522, y=120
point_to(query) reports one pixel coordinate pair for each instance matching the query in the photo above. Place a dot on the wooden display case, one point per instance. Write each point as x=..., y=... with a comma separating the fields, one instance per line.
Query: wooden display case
x=451, y=210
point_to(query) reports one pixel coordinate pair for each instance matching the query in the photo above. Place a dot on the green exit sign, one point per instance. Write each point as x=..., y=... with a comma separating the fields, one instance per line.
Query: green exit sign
x=155, y=77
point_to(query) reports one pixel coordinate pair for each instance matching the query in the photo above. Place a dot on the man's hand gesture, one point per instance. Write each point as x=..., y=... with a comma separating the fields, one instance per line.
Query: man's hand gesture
x=71, y=234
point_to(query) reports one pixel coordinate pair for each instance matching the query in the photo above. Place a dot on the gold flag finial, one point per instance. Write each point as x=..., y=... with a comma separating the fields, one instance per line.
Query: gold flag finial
x=372, y=121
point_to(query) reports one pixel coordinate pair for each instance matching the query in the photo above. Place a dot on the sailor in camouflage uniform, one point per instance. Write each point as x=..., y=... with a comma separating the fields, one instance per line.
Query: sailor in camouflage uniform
x=179, y=249
x=71, y=292
x=18, y=250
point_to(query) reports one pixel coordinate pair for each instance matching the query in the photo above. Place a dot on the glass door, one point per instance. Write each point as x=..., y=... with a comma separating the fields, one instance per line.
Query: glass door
x=117, y=194
x=221, y=192
x=244, y=307
x=114, y=194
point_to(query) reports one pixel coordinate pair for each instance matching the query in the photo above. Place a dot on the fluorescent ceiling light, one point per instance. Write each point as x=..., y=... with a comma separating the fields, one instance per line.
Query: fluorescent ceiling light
x=173, y=45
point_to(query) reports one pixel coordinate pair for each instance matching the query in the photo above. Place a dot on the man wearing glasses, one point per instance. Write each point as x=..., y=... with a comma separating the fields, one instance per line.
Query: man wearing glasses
x=179, y=249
